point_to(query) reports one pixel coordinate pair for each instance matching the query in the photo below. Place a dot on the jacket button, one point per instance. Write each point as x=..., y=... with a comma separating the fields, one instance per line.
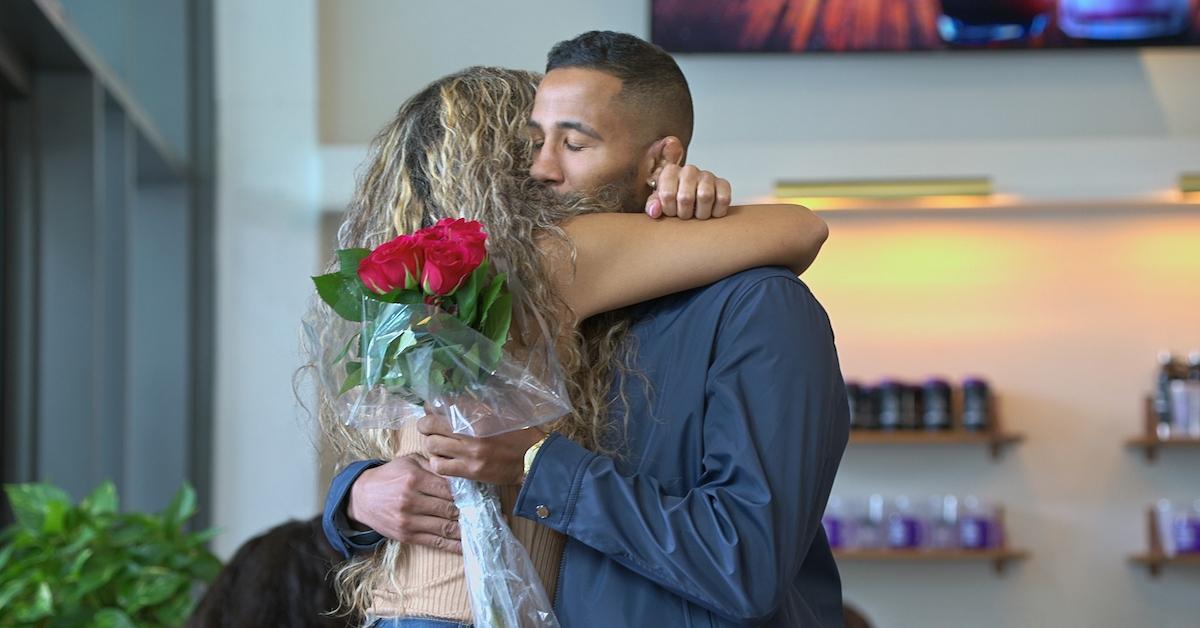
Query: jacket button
x=542, y=511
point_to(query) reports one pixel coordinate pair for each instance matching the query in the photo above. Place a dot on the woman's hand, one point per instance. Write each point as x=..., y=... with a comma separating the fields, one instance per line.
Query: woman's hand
x=688, y=192
x=496, y=460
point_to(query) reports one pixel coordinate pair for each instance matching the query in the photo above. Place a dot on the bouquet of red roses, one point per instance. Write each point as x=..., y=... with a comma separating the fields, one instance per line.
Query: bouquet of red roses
x=428, y=322
x=422, y=321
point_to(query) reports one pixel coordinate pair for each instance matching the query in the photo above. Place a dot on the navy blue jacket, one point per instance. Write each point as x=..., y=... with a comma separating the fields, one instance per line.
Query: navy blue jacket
x=713, y=518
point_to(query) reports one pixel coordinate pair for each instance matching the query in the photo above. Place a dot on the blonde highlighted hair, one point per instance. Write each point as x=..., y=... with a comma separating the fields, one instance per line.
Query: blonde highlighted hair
x=458, y=149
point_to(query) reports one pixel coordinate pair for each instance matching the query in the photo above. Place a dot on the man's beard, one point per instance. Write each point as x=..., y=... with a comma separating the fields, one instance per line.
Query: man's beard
x=622, y=193
x=621, y=196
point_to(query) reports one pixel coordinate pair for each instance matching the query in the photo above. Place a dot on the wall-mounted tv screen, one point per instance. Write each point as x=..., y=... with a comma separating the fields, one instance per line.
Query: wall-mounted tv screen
x=885, y=25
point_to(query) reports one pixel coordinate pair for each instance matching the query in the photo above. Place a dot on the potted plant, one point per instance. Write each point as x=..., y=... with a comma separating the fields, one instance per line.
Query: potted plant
x=87, y=564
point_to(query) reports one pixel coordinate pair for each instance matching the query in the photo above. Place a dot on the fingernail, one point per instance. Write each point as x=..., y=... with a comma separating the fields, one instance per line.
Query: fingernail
x=654, y=208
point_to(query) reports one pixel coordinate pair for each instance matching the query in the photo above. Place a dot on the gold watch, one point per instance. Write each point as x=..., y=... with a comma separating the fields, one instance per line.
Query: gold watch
x=532, y=452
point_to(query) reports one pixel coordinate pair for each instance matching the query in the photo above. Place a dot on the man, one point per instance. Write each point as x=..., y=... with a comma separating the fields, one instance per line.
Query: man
x=712, y=515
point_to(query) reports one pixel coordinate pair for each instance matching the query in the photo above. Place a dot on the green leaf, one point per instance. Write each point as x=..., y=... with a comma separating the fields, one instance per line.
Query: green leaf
x=499, y=283
x=154, y=586
x=55, y=520
x=112, y=618
x=346, y=350
x=182, y=507
x=205, y=567
x=349, y=260
x=102, y=501
x=203, y=536
x=467, y=296
x=10, y=591
x=5, y=556
x=405, y=341
x=174, y=612
x=343, y=294
x=31, y=501
x=354, y=377
x=97, y=575
x=498, y=319
x=77, y=563
x=43, y=604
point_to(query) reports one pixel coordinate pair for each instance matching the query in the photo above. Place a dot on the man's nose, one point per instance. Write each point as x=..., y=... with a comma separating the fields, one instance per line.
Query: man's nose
x=545, y=168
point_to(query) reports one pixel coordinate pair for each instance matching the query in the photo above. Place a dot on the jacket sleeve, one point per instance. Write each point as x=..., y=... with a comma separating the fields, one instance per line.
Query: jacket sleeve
x=775, y=426
x=341, y=536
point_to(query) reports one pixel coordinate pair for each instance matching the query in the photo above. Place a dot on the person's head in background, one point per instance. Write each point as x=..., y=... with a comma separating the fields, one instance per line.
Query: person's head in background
x=281, y=577
x=611, y=110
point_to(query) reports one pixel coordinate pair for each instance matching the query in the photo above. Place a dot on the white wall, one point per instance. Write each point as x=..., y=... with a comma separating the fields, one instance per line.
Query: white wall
x=264, y=463
x=1063, y=310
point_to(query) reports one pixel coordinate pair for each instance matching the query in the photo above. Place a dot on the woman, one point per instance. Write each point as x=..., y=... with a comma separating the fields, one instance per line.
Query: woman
x=457, y=149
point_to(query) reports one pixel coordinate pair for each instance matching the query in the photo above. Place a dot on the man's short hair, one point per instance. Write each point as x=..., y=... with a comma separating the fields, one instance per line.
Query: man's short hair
x=649, y=76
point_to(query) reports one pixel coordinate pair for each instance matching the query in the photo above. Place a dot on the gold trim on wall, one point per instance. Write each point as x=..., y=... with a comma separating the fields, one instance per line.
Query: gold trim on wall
x=885, y=188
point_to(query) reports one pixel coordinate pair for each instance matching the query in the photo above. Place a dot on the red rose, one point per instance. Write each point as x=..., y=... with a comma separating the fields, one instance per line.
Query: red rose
x=448, y=263
x=392, y=265
x=454, y=230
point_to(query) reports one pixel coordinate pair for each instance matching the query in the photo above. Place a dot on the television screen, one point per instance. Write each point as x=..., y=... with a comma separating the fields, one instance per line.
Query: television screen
x=884, y=25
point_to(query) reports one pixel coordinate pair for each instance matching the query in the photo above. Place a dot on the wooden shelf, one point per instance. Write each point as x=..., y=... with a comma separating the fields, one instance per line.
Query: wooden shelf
x=1149, y=440
x=999, y=557
x=1156, y=558
x=996, y=441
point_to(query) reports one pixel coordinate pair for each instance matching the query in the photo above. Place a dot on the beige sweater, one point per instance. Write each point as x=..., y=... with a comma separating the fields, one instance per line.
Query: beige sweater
x=433, y=583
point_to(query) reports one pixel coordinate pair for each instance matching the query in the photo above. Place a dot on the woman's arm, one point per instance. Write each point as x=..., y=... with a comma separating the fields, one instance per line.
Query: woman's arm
x=622, y=259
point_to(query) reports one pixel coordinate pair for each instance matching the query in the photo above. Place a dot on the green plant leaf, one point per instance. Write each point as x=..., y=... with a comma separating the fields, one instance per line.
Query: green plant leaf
x=203, y=536
x=10, y=591
x=112, y=618
x=343, y=294
x=55, y=520
x=31, y=501
x=498, y=319
x=153, y=586
x=97, y=575
x=182, y=507
x=102, y=501
x=206, y=566
x=349, y=260
x=346, y=350
x=467, y=296
x=77, y=563
x=354, y=377
x=497, y=287
x=174, y=612
x=43, y=604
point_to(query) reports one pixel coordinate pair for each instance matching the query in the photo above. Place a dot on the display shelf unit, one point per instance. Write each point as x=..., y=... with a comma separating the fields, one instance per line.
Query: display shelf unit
x=1150, y=443
x=995, y=439
x=1155, y=559
x=999, y=557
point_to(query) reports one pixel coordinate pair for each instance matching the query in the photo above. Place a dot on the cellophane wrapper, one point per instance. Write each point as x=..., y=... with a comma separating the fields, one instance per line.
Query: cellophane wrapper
x=417, y=357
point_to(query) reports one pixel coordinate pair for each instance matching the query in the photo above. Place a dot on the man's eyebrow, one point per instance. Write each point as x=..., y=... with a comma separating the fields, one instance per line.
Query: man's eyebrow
x=582, y=128
x=569, y=125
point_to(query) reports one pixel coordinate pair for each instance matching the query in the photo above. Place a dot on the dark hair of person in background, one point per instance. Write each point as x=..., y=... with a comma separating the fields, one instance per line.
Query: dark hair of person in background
x=852, y=618
x=651, y=81
x=281, y=578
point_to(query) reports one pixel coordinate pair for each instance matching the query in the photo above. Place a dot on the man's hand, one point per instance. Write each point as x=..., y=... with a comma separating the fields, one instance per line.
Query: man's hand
x=688, y=192
x=496, y=460
x=405, y=501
